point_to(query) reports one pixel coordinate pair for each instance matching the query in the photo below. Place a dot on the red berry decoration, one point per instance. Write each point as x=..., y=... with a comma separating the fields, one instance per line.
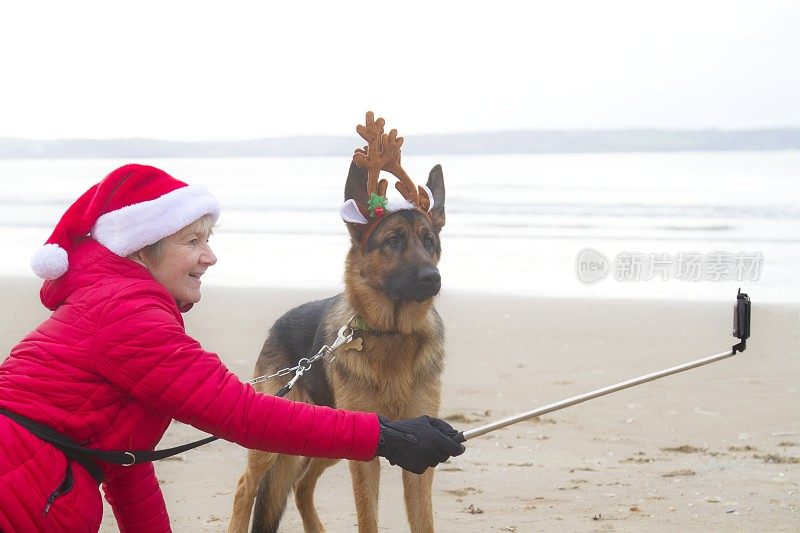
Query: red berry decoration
x=379, y=211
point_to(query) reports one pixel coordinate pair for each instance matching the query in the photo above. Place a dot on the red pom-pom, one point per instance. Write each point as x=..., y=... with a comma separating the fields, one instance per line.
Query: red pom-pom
x=379, y=211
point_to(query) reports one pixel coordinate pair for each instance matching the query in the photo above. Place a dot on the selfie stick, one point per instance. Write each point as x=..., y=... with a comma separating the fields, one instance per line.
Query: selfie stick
x=741, y=330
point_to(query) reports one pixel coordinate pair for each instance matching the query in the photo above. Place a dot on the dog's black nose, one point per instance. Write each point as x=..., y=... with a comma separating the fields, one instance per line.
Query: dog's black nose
x=429, y=276
x=415, y=283
x=428, y=282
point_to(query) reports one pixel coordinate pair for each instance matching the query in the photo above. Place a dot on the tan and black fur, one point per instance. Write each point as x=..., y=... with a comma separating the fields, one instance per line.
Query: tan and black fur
x=391, y=281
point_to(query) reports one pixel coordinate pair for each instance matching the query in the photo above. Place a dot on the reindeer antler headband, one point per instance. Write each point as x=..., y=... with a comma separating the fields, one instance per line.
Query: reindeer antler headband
x=383, y=153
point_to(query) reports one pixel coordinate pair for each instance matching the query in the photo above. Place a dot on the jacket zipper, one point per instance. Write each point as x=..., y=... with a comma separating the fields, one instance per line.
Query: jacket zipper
x=66, y=485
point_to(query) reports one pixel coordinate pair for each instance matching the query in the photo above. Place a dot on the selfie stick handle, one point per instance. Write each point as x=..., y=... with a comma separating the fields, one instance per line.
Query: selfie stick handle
x=741, y=330
x=477, y=432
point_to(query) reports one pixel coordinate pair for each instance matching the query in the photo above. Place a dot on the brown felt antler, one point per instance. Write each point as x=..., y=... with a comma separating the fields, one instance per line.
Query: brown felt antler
x=383, y=153
x=374, y=156
x=416, y=195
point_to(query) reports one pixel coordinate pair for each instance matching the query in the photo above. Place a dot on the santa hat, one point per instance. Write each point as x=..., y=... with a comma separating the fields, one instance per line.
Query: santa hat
x=134, y=206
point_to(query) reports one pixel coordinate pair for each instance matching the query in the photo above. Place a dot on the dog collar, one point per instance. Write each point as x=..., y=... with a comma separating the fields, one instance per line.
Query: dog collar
x=360, y=324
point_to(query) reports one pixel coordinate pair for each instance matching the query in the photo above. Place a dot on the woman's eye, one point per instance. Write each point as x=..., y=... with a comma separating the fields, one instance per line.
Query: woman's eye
x=193, y=242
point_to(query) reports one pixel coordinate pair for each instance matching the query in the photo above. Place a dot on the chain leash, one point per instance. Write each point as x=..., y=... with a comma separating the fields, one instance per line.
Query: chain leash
x=344, y=336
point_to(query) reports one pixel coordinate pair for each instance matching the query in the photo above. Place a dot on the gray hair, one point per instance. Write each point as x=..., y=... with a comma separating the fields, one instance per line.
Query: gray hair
x=152, y=252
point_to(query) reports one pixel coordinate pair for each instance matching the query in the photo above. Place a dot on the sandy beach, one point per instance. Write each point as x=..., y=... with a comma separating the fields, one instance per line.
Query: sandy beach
x=713, y=449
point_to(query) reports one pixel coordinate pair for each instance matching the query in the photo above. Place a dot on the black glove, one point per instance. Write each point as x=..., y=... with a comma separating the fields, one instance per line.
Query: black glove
x=415, y=444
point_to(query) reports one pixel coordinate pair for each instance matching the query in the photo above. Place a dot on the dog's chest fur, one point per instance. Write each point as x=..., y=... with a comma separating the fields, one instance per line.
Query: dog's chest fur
x=391, y=371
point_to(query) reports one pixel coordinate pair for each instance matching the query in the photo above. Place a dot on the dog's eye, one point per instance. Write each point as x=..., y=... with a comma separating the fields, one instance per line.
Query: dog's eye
x=428, y=242
x=392, y=240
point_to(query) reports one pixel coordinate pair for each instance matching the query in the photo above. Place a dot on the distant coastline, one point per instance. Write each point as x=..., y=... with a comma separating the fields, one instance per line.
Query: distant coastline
x=483, y=143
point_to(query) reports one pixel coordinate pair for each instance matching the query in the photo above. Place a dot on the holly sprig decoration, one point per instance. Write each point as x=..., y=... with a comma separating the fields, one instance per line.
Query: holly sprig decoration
x=376, y=205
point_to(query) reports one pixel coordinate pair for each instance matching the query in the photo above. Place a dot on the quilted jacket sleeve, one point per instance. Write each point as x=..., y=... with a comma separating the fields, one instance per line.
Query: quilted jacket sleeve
x=142, y=347
x=136, y=499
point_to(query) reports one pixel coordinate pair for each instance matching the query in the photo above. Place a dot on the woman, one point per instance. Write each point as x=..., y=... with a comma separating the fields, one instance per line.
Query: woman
x=113, y=366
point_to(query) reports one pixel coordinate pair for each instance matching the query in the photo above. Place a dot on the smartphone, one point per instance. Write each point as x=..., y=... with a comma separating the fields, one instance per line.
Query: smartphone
x=741, y=316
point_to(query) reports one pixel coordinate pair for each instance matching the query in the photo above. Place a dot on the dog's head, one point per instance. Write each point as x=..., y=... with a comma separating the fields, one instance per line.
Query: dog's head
x=391, y=275
x=392, y=261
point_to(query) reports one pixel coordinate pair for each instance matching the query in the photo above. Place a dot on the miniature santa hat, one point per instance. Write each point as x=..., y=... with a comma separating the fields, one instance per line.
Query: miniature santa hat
x=134, y=206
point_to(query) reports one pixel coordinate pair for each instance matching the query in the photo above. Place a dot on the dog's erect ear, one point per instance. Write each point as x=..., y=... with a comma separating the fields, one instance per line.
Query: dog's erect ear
x=356, y=189
x=356, y=186
x=436, y=185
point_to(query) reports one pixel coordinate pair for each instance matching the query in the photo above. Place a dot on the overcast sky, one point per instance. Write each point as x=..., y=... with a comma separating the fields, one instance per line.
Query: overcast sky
x=191, y=70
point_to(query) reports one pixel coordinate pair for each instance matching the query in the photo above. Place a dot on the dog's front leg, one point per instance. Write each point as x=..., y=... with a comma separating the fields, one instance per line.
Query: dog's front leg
x=366, y=483
x=419, y=507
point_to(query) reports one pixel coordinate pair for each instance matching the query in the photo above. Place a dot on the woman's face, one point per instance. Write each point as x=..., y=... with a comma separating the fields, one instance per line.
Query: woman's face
x=186, y=255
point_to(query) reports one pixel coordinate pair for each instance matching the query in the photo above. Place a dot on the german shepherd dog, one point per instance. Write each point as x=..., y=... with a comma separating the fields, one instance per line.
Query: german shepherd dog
x=390, y=281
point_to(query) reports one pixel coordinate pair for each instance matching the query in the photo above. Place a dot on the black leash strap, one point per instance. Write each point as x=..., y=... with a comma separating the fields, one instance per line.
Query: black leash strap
x=85, y=456
x=70, y=448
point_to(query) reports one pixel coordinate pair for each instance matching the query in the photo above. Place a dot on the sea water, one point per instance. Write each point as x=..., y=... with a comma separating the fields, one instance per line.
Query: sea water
x=543, y=224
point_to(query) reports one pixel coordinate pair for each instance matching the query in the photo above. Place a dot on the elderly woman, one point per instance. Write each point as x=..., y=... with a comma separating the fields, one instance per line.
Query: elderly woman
x=113, y=366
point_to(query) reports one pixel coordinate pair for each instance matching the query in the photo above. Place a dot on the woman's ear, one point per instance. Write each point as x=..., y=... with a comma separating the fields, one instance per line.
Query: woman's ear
x=138, y=257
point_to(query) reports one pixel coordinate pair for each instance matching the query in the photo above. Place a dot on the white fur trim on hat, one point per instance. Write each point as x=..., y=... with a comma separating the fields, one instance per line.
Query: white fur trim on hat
x=394, y=204
x=133, y=227
x=50, y=261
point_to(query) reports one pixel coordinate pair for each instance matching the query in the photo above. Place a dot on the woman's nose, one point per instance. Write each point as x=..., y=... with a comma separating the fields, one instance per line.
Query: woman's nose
x=208, y=257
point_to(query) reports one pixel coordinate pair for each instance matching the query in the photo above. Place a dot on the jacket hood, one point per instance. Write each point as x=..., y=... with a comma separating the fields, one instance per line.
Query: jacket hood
x=91, y=263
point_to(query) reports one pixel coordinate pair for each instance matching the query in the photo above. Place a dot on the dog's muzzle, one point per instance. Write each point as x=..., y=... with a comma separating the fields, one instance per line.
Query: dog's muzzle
x=417, y=284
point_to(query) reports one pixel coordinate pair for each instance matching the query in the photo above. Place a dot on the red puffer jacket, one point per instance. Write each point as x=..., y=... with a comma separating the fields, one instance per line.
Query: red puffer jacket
x=111, y=368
